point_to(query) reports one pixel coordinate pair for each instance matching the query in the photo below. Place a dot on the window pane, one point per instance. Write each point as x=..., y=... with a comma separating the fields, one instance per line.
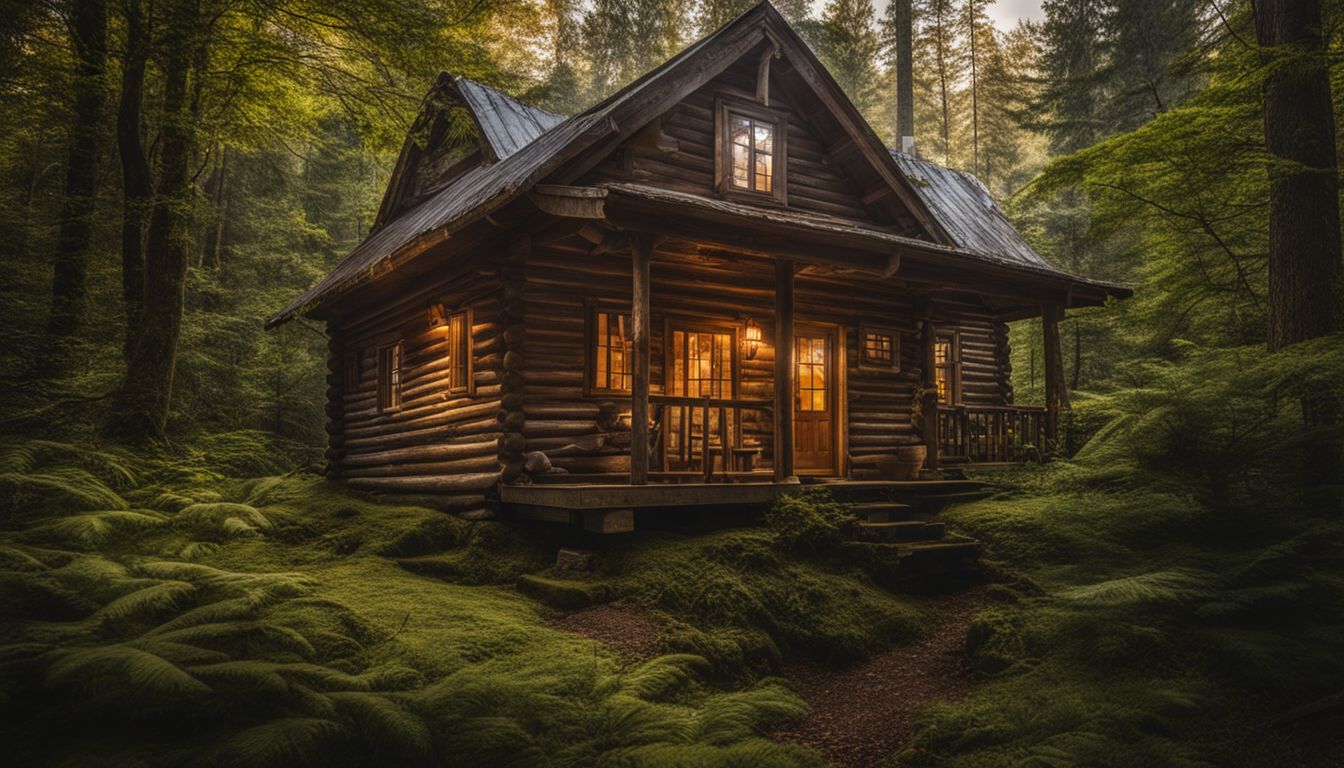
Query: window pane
x=764, y=173
x=765, y=137
x=741, y=131
x=741, y=167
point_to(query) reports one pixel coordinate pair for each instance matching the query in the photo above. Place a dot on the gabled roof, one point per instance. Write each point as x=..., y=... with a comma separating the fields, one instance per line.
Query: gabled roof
x=505, y=122
x=524, y=162
x=967, y=212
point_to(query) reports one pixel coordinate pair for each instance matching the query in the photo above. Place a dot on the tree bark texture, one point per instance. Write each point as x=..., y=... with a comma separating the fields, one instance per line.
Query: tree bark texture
x=88, y=33
x=1304, y=240
x=905, y=78
x=135, y=174
x=143, y=401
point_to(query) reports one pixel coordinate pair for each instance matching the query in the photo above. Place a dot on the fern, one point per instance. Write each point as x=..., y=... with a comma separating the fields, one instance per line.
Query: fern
x=286, y=742
x=90, y=529
x=122, y=667
x=242, y=633
x=59, y=490
x=386, y=725
x=1175, y=585
x=145, y=601
x=659, y=677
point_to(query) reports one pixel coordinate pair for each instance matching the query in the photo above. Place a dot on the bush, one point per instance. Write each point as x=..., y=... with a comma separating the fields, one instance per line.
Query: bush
x=810, y=521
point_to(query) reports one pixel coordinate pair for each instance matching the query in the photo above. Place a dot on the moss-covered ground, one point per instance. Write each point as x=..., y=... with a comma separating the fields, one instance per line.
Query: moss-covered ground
x=162, y=613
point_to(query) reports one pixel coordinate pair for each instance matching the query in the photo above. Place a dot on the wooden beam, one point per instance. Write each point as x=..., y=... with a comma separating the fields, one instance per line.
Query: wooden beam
x=570, y=202
x=1056, y=398
x=763, y=71
x=928, y=383
x=641, y=257
x=784, y=370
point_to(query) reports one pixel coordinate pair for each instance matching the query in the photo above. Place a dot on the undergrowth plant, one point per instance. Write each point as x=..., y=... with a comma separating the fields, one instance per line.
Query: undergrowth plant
x=163, y=615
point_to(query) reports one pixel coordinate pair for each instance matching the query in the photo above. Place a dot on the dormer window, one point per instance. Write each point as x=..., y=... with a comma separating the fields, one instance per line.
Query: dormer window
x=750, y=155
x=753, y=146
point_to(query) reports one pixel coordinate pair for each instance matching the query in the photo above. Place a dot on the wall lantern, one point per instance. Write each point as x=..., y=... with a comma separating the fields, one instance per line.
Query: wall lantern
x=438, y=314
x=751, y=341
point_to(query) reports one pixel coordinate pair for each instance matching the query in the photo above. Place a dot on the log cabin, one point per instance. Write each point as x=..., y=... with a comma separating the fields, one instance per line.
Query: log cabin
x=713, y=285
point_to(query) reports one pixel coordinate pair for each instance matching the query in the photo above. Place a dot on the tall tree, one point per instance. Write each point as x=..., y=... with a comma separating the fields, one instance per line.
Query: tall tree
x=849, y=47
x=135, y=172
x=1145, y=41
x=979, y=38
x=941, y=62
x=142, y=402
x=1071, y=65
x=87, y=22
x=1304, y=241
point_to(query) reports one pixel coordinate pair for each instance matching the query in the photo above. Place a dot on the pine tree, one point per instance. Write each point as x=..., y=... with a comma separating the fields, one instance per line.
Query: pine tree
x=850, y=47
x=940, y=66
x=1071, y=66
x=1145, y=41
x=626, y=38
x=979, y=35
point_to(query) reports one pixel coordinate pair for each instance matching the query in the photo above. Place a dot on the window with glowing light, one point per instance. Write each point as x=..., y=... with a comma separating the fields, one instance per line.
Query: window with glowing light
x=751, y=153
x=612, y=352
x=879, y=347
x=389, y=377
x=947, y=369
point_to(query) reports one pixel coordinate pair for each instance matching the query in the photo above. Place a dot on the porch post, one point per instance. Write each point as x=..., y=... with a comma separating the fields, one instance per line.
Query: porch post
x=642, y=254
x=1056, y=397
x=928, y=383
x=785, y=371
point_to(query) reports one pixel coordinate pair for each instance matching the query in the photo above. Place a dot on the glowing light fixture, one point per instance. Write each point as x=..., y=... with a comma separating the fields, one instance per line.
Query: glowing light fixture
x=751, y=340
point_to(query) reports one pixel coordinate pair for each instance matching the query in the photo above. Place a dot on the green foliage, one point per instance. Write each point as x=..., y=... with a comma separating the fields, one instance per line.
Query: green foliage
x=279, y=647
x=810, y=521
x=1173, y=582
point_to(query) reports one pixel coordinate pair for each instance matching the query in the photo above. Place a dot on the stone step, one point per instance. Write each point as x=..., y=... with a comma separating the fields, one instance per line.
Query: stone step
x=905, y=531
x=886, y=511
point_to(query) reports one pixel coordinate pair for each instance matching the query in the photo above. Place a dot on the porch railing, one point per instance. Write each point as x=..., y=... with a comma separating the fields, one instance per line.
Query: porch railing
x=701, y=438
x=990, y=433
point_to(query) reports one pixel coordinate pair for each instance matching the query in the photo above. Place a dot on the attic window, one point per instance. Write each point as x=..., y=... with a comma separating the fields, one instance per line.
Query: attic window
x=751, y=154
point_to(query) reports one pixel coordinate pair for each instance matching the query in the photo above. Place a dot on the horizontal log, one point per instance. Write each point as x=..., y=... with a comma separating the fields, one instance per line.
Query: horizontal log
x=426, y=484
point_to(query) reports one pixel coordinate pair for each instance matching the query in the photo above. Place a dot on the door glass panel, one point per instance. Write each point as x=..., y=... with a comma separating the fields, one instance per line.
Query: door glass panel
x=812, y=382
x=701, y=366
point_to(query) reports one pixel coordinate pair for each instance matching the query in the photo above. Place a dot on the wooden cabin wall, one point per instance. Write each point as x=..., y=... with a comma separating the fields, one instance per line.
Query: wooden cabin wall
x=685, y=162
x=439, y=448
x=561, y=279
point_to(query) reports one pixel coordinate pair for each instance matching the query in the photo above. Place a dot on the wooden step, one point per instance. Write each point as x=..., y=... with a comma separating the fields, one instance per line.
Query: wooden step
x=951, y=547
x=886, y=511
x=905, y=530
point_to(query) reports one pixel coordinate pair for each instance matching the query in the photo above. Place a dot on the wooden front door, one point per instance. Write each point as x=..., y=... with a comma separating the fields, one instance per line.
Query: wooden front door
x=814, y=416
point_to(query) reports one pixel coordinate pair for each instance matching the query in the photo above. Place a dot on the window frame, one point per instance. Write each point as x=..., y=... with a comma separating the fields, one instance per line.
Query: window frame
x=590, y=347
x=461, y=377
x=893, y=365
x=724, y=110
x=673, y=325
x=389, y=376
x=352, y=374
x=953, y=365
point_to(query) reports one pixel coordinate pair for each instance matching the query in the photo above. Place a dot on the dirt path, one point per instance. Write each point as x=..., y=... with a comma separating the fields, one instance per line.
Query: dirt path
x=624, y=628
x=864, y=714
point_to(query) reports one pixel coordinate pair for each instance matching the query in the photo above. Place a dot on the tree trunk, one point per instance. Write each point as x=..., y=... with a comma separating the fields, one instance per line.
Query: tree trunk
x=142, y=403
x=135, y=173
x=1304, y=244
x=88, y=35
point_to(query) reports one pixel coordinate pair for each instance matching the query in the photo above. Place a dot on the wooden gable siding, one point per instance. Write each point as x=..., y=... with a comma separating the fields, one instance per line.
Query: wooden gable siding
x=439, y=447
x=562, y=279
x=685, y=159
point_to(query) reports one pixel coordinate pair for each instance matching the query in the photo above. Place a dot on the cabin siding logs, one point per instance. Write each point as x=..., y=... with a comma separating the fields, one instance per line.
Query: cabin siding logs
x=679, y=154
x=440, y=447
x=512, y=417
x=563, y=277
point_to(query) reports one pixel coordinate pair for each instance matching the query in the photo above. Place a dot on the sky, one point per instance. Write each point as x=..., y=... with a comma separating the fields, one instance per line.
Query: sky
x=1004, y=13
